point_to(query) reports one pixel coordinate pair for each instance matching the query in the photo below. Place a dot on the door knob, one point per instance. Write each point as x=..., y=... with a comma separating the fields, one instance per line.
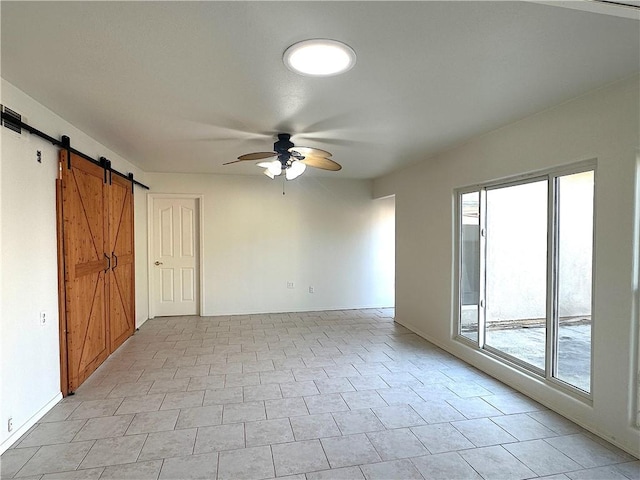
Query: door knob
x=157, y=263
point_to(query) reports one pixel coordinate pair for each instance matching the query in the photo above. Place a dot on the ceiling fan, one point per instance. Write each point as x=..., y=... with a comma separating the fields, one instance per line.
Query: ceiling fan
x=291, y=160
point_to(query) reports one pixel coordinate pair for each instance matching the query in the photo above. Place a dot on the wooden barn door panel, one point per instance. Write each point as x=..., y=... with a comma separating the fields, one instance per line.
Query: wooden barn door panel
x=84, y=199
x=121, y=285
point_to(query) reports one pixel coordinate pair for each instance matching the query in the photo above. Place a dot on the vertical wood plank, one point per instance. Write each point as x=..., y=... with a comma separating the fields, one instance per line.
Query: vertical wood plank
x=62, y=318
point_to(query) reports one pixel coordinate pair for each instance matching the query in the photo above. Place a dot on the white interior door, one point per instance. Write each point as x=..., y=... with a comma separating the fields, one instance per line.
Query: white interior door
x=175, y=276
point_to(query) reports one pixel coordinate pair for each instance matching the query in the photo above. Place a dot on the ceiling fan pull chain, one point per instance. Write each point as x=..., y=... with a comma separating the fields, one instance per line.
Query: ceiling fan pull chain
x=283, y=182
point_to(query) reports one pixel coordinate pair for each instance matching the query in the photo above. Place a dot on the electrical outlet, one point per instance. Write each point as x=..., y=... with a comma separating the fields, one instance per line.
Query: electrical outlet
x=10, y=424
x=289, y=284
x=43, y=319
x=311, y=290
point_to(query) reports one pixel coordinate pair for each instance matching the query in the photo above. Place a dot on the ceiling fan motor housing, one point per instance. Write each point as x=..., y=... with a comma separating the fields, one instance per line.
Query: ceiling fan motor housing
x=282, y=146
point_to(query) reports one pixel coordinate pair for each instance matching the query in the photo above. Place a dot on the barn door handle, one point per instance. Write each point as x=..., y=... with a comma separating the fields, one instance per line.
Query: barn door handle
x=115, y=264
x=108, y=263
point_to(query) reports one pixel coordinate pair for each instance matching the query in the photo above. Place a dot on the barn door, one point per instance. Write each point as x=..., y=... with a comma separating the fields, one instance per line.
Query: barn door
x=121, y=285
x=86, y=266
x=97, y=257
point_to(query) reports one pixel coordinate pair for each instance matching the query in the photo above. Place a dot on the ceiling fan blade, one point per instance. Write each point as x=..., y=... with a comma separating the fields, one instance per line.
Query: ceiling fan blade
x=256, y=156
x=322, y=163
x=234, y=161
x=310, y=152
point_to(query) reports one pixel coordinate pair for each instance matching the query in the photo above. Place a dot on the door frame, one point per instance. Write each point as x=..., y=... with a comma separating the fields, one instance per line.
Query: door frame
x=150, y=259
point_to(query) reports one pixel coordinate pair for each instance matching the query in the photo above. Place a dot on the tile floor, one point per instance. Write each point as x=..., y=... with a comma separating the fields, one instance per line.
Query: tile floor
x=309, y=396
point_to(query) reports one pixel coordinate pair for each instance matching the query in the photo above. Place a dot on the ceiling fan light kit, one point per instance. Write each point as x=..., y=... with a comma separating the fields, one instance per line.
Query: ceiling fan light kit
x=319, y=57
x=295, y=170
x=292, y=169
x=271, y=169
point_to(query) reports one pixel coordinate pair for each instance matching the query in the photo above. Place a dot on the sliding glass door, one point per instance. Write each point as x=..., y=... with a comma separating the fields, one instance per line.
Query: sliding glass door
x=516, y=271
x=525, y=251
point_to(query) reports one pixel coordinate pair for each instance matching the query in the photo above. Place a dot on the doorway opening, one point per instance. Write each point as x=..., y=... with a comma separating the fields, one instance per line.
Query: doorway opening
x=384, y=257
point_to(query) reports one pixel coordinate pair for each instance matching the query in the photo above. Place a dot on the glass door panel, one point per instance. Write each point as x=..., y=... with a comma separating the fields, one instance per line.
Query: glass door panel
x=469, y=264
x=516, y=271
x=574, y=283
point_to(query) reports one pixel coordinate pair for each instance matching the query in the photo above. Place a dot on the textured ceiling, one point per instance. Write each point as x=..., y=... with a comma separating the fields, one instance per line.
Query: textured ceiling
x=187, y=86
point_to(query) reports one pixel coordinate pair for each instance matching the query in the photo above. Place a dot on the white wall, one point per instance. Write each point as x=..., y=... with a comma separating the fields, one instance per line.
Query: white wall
x=602, y=125
x=29, y=353
x=325, y=233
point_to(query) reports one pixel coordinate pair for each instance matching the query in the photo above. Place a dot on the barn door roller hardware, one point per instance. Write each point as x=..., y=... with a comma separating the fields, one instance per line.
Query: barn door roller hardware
x=13, y=121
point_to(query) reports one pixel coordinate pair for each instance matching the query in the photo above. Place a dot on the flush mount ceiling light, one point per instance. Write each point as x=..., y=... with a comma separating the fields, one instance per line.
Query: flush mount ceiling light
x=319, y=57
